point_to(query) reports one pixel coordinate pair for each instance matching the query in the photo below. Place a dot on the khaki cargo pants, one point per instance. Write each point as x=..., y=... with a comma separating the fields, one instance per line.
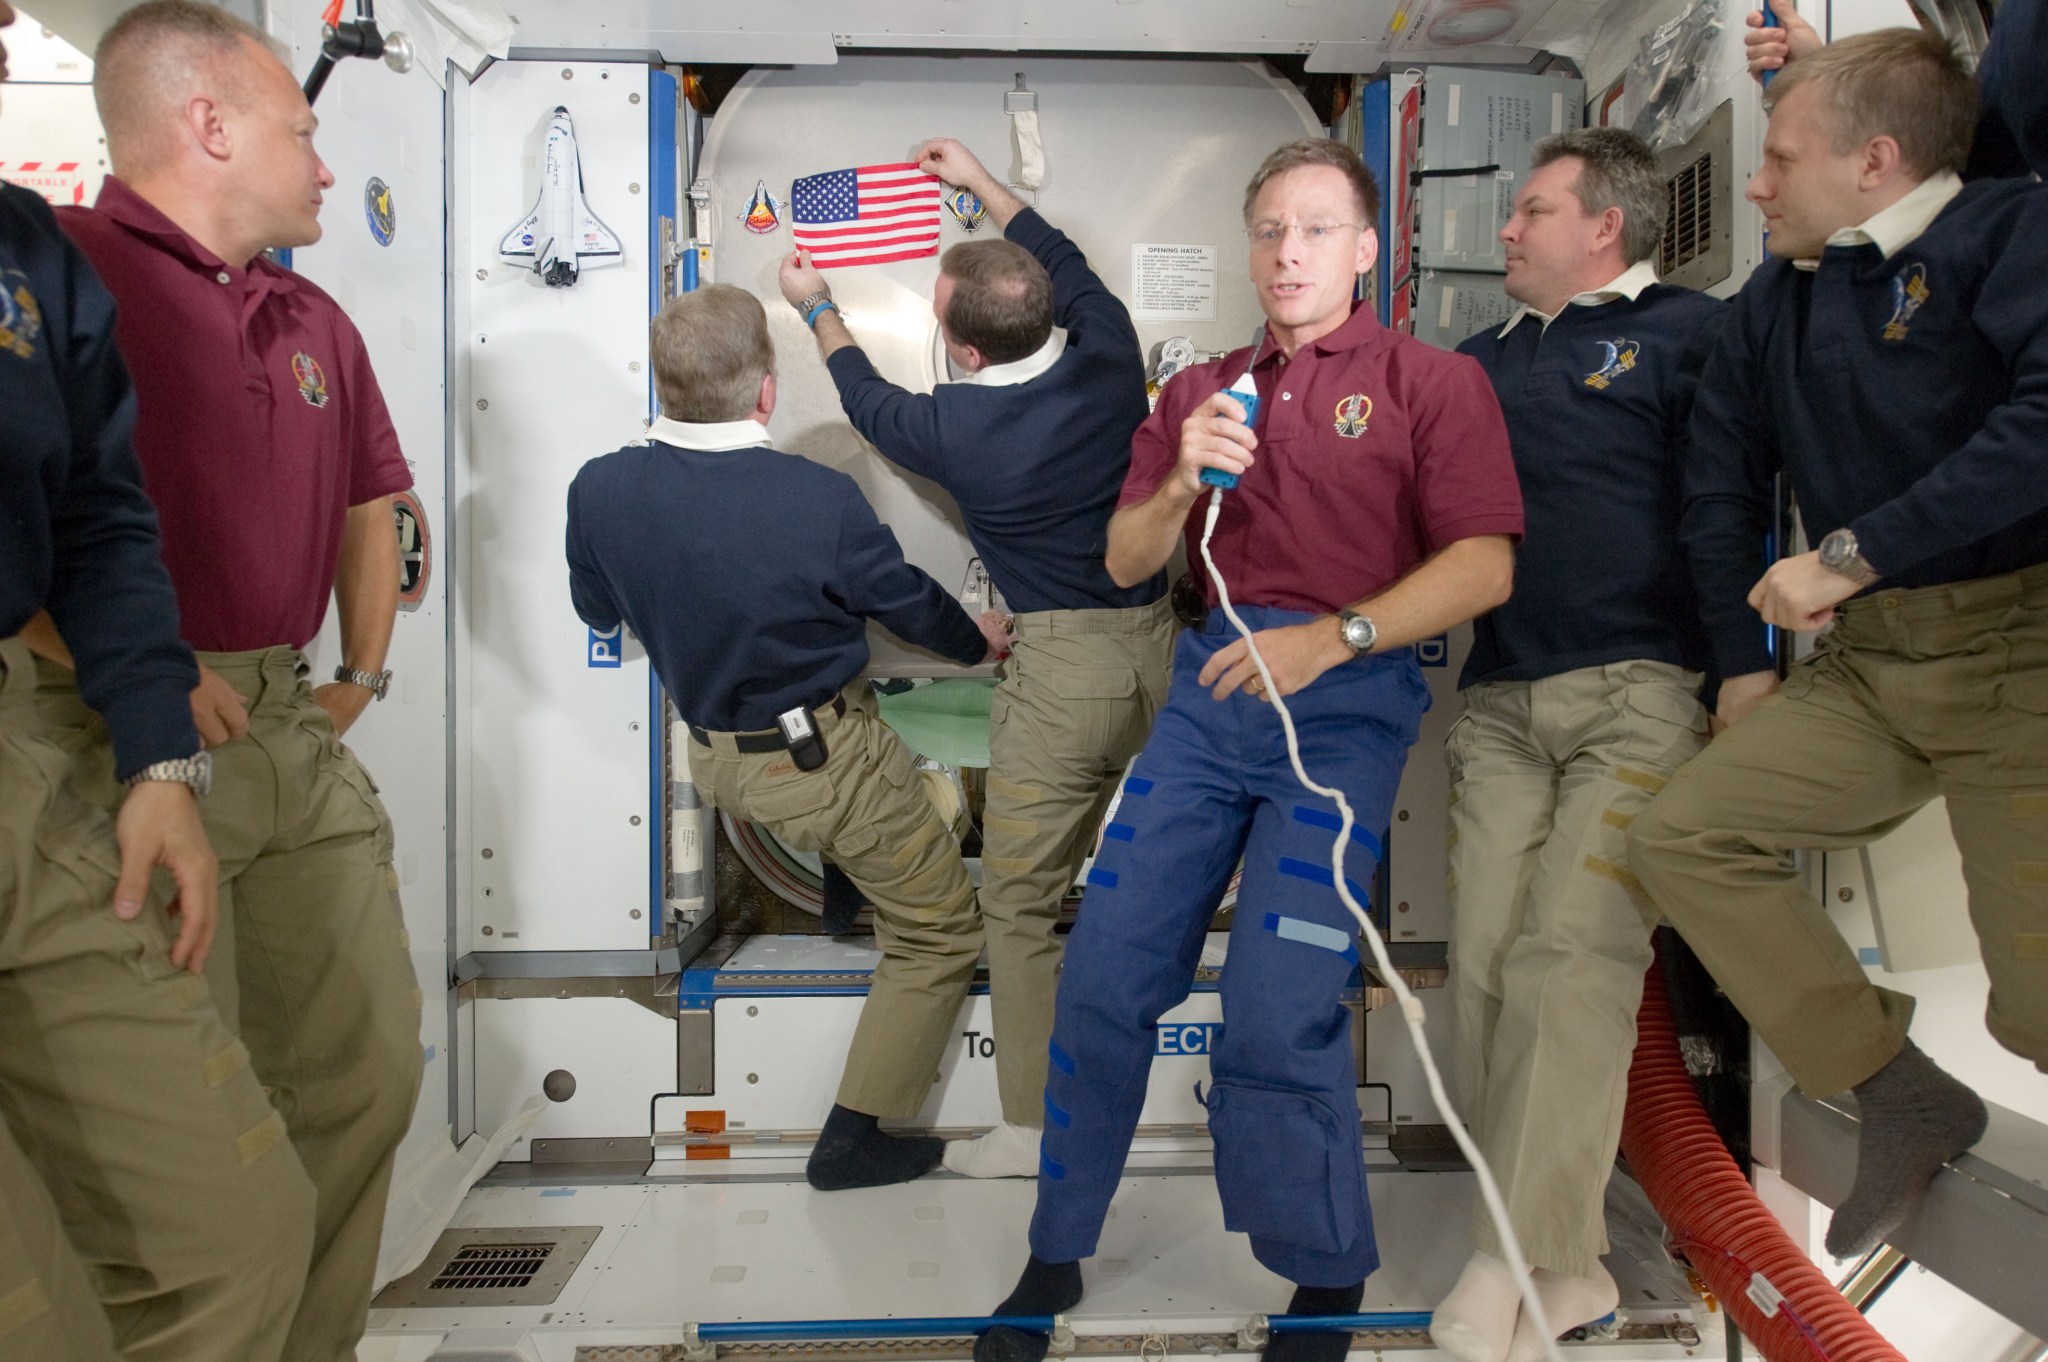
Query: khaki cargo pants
x=48, y=1310
x=1075, y=705
x=135, y=1109
x=1941, y=690
x=310, y=966
x=1550, y=932
x=863, y=810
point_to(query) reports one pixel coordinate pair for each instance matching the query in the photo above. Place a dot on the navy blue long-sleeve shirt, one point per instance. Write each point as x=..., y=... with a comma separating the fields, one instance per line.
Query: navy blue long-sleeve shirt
x=1597, y=407
x=749, y=575
x=1035, y=466
x=2012, y=138
x=80, y=537
x=1907, y=398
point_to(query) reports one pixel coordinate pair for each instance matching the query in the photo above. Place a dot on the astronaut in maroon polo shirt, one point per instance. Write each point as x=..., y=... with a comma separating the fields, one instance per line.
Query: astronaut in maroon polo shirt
x=1375, y=505
x=268, y=452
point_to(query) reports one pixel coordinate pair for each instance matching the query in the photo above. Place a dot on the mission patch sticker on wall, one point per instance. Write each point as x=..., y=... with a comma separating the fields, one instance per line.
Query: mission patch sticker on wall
x=381, y=212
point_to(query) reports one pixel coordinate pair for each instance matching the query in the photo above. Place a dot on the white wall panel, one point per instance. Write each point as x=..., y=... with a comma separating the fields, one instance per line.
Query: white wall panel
x=50, y=138
x=779, y=1062
x=620, y=1054
x=50, y=142
x=556, y=846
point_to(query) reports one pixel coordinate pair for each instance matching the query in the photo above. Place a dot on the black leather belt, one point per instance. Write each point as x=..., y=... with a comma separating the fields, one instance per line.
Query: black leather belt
x=769, y=741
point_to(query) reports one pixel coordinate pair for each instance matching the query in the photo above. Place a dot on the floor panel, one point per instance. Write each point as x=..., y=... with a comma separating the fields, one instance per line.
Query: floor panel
x=676, y=1252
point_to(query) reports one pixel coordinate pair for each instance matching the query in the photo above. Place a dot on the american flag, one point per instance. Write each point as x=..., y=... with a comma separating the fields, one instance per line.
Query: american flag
x=866, y=216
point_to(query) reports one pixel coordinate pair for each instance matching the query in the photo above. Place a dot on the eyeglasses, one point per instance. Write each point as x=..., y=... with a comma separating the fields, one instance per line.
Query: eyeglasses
x=1267, y=236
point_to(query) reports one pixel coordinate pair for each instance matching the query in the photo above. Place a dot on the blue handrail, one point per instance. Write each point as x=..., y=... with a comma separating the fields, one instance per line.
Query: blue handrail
x=735, y=1331
x=961, y=1326
x=1374, y=1319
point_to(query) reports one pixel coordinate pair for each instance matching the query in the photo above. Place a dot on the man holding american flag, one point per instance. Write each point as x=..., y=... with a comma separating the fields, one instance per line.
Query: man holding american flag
x=1033, y=445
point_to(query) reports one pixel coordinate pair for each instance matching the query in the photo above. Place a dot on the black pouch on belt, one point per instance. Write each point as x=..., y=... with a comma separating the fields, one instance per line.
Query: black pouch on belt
x=800, y=732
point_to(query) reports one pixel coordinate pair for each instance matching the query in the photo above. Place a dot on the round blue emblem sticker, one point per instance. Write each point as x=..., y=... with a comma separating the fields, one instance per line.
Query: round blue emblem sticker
x=380, y=210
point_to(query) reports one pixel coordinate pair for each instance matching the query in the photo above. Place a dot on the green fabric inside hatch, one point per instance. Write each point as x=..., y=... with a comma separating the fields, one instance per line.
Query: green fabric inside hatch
x=946, y=721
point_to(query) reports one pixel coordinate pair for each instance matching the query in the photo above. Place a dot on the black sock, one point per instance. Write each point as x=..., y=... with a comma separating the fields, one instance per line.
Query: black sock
x=1044, y=1289
x=1317, y=1347
x=854, y=1151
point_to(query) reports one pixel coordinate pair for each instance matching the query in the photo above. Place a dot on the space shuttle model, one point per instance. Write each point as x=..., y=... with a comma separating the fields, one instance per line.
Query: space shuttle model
x=561, y=235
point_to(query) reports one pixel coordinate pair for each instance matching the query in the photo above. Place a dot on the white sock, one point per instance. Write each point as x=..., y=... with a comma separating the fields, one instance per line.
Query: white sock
x=1476, y=1322
x=1008, y=1151
x=1568, y=1302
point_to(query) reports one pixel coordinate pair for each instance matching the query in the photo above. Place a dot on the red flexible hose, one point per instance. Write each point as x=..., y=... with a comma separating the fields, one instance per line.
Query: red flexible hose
x=1715, y=1218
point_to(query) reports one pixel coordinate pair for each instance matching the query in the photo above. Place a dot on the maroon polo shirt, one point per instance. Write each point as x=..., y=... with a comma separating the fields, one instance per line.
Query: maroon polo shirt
x=259, y=425
x=1375, y=451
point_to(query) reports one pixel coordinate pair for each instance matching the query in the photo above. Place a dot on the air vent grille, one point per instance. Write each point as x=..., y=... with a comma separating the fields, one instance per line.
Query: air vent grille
x=492, y=1267
x=1689, y=220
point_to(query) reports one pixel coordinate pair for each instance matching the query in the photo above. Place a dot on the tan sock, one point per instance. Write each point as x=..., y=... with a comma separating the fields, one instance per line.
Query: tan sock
x=1476, y=1322
x=1008, y=1151
x=1568, y=1302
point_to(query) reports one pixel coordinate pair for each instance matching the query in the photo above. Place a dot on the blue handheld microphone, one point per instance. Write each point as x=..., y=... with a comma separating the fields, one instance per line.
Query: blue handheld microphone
x=1246, y=391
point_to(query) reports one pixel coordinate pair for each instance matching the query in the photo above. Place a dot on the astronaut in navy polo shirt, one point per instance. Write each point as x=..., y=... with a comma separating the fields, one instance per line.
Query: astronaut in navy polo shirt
x=1581, y=698
x=751, y=576
x=1033, y=446
x=1891, y=362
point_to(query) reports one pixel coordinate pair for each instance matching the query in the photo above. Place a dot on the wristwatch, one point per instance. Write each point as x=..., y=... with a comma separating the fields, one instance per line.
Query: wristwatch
x=1839, y=553
x=804, y=304
x=195, y=771
x=377, y=683
x=1358, y=631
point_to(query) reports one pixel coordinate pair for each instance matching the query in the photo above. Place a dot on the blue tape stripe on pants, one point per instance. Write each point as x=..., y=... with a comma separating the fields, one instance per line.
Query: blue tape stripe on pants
x=1333, y=822
x=1316, y=874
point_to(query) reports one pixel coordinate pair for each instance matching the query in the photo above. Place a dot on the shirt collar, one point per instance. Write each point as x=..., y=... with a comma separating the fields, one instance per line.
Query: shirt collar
x=138, y=214
x=1362, y=326
x=122, y=204
x=1629, y=284
x=1893, y=229
x=708, y=436
x=1025, y=369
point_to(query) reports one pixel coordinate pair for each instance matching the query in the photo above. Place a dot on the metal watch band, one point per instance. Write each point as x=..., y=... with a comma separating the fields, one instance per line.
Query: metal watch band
x=805, y=304
x=1839, y=552
x=195, y=771
x=377, y=683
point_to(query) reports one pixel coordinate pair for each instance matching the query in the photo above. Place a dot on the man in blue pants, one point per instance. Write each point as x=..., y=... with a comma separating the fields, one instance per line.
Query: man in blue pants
x=1376, y=506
